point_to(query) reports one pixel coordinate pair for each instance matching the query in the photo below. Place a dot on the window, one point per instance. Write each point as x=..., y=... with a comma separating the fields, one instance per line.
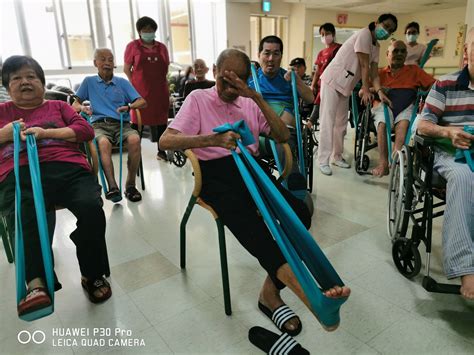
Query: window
x=179, y=26
x=208, y=22
x=44, y=43
x=79, y=37
x=8, y=22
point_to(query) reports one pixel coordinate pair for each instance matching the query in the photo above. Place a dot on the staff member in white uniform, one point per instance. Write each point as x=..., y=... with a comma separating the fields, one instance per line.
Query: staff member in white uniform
x=357, y=59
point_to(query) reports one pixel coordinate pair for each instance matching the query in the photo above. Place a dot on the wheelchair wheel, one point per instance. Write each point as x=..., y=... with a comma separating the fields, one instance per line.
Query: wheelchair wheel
x=179, y=159
x=364, y=165
x=400, y=194
x=361, y=141
x=308, y=146
x=406, y=257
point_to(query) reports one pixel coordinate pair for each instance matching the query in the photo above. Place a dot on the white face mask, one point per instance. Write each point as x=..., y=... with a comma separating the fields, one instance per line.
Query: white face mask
x=411, y=38
x=327, y=39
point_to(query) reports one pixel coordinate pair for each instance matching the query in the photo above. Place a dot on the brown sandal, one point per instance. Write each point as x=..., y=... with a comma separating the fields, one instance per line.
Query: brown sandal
x=91, y=286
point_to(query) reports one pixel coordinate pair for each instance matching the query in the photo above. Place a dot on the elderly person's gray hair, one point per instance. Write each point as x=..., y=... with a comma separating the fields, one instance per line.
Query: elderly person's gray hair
x=228, y=53
x=97, y=51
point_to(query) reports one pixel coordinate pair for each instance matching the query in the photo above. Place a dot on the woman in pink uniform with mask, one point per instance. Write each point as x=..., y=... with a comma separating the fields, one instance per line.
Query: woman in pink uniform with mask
x=356, y=59
x=325, y=56
x=146, y=66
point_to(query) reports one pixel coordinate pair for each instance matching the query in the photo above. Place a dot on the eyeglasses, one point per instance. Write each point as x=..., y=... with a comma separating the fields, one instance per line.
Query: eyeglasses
x=267, y=53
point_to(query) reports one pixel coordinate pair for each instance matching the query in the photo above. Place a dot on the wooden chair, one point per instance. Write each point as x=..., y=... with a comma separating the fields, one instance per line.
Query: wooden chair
x=196, y=199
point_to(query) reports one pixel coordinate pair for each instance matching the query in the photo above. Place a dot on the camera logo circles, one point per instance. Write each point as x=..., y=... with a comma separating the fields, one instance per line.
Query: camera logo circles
x=26, y=337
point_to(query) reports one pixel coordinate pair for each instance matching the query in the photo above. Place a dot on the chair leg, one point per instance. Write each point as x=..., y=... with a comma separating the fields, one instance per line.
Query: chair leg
x=140, y=173
x=224, y=269
x=6, y=240
x=182, y=229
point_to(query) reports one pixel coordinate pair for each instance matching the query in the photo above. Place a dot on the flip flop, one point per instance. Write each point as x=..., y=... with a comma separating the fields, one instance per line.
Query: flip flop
x=280, y=316
x=91, y=286
x=274, y=344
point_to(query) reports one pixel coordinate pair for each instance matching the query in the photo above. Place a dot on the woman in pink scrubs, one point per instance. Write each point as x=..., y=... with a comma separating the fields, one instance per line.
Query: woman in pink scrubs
x=146, y=66
x=357, y=59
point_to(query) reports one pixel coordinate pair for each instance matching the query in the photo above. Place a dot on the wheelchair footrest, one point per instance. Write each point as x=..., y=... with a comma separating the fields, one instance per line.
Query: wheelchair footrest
x=431, y=285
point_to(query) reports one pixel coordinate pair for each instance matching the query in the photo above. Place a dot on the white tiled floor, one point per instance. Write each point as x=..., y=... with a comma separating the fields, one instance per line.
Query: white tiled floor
x=176, y=311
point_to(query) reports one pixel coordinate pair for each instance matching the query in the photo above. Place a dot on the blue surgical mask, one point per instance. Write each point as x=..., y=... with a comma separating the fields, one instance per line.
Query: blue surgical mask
x=148, y=36
x=381, y=33
x=411, y=38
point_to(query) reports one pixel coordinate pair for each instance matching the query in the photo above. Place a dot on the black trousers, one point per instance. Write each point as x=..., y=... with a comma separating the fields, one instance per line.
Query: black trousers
x=224, y=189
x=69, y=186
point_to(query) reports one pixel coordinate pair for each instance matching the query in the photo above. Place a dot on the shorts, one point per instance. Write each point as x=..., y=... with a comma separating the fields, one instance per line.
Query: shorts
x=110, y=129
x=379, y=116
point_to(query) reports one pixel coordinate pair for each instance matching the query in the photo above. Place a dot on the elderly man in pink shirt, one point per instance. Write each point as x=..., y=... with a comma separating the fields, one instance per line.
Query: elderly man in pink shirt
x=232, y=100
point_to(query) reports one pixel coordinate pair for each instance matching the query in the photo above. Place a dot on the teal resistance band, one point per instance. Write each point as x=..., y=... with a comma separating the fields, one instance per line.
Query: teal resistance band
x=33, y=161
x=427, y=53
x=419, y=94
x=299, y=135
x=466, y=155
x=388, y=129
x=304, y=256
x=101, y=170
x=272, y=142
x=121, y=149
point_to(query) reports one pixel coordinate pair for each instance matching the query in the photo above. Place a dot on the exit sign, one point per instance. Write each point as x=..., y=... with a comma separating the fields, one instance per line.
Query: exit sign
x=266, y=6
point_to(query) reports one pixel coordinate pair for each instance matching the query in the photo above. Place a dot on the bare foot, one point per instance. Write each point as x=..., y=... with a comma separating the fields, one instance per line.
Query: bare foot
x=338, y=292
x=380, y=170
x=467, y=286
x=270, y=298
x=335, y=292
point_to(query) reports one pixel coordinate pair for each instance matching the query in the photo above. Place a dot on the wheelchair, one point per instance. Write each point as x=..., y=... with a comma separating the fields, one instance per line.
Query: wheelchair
x=365, y=136
x=310, y=142
x=417, y=194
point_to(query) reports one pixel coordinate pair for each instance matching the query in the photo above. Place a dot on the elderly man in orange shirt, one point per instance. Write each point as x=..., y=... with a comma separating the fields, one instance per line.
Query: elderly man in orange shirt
x=400, y=82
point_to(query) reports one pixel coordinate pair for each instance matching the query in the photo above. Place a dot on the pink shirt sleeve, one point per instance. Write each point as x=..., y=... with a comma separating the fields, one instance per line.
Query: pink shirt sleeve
x=129, y=53
x=84, y=131
x=263, y=125
x=187, y=120
x=363, y=42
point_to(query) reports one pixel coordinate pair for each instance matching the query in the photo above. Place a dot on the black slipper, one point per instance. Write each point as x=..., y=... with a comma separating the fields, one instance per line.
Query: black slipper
x=113, y=195
x=280, y=316
x=133, y=194
x=274, y=344
x=91, y=286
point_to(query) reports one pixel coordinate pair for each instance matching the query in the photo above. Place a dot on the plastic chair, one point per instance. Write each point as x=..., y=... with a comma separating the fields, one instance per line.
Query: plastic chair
x=195, y=199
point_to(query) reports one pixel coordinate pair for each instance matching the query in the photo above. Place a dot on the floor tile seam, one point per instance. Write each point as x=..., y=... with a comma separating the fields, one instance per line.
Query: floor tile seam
x=166, y=319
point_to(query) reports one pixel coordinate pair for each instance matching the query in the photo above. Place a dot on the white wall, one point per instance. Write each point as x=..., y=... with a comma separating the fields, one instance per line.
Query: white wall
x=238, y=26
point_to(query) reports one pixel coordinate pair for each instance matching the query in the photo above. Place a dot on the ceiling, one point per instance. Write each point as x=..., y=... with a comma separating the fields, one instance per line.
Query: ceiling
x=377, y=6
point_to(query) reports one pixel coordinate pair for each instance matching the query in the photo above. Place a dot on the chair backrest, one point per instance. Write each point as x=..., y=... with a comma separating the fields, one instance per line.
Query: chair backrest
x=198, y=175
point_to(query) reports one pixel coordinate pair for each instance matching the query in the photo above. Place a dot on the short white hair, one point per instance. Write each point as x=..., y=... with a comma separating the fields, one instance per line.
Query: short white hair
x=97, y=51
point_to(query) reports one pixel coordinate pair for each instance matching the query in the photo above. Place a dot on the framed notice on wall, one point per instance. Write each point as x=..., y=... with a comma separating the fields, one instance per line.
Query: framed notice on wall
x=438, y=32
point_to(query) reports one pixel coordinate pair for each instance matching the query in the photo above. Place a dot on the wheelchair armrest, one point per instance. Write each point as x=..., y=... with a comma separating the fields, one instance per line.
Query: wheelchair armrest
x=424, y=141
x=196, y=171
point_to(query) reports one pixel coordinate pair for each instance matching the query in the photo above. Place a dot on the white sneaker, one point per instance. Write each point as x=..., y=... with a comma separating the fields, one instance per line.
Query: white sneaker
x=325, y=169
x=342, y=164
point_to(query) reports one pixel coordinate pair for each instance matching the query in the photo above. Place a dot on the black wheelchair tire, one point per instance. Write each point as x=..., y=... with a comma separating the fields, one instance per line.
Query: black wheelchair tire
x=179, y=159
x=408, y=187
x=406, y=257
